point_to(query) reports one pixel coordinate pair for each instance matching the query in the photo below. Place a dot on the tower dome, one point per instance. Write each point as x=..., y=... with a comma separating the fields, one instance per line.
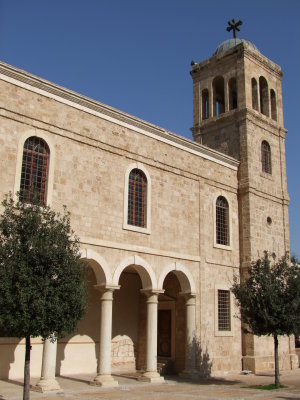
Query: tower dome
x=230, y=43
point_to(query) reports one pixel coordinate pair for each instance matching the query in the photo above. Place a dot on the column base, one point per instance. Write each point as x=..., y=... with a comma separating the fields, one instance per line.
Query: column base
x=47, y=385
x=151, y=377
x=105, y=381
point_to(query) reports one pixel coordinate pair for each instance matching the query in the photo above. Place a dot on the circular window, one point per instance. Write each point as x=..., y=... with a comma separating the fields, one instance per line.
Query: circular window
x=269, y=221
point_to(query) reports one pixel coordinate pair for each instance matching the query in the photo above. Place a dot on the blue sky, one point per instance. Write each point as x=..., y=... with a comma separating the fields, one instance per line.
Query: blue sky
x=135, y=55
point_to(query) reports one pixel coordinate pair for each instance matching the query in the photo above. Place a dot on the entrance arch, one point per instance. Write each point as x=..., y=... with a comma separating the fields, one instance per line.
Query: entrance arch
x=135, y=319
x=176, y=318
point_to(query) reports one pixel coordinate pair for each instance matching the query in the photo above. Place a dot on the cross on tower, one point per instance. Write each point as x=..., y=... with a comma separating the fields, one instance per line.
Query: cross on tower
x=233, y=25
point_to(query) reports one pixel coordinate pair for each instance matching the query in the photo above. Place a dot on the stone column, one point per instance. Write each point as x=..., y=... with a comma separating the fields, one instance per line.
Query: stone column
x=151, y=374
x=104, y=377
x=47, y=381
x=190, y=360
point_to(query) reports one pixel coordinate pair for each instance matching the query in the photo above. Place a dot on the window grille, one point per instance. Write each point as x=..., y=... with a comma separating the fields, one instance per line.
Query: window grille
x=34, y=172
x=137, y=198
x=266, y=157
x=224, y=310
x=222, y=221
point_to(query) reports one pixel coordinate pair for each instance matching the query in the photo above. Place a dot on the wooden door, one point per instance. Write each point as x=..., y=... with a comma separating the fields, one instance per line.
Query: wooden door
x=164, y=333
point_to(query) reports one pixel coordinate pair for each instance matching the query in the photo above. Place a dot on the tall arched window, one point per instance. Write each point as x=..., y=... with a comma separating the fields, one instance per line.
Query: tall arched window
x=264, y=96
x=232, y=94
x=34, y=173
x=205, y=104
x=222, y=221
x=218, y=95
x=273, y=105
x=254, y=94
x=137, y=198
x=266, y=163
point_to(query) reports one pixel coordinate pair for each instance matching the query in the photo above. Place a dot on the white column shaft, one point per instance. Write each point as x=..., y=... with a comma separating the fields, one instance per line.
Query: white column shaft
x=104, y=377
x=105, y=333
x=49, y=359
x=152, y=333
x=48, y=381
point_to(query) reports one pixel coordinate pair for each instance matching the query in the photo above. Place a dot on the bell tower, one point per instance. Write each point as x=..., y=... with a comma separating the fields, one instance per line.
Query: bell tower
x=237, y=110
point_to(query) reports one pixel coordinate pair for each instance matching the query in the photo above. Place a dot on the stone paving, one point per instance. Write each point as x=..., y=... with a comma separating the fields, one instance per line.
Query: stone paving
x=220, y=388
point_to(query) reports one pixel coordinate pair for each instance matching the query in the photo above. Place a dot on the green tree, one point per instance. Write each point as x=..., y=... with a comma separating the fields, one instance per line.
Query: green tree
x=42, y=286
x=269, y=299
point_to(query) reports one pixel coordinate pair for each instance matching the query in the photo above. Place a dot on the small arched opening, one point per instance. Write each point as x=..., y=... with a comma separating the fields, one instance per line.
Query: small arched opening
x=233, y=98
x=273, y=105
x=218, y=96
x=264, y=96
x=254, y=94
x=205, y=104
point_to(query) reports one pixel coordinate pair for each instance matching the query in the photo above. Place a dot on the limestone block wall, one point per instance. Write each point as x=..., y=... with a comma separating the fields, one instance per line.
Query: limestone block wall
x=90, y=154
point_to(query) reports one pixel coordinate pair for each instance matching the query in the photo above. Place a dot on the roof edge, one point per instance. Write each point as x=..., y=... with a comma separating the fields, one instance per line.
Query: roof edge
x=85, y=103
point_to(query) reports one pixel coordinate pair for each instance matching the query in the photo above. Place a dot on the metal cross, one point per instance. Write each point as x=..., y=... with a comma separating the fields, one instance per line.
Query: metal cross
x=233, y=25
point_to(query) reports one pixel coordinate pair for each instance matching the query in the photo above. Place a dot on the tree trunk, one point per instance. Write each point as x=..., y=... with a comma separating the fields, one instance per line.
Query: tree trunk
x=26, y=390
x=277, y=379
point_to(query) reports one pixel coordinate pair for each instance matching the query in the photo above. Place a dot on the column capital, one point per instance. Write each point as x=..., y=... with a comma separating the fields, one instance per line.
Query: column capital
x=190, y=298
x=106, y=288
x=152, y=292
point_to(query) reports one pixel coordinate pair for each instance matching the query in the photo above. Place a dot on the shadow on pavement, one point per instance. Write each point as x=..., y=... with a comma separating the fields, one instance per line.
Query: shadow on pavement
x=203, y=381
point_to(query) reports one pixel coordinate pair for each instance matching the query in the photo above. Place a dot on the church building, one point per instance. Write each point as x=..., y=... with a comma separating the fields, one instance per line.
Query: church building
x=164, y=222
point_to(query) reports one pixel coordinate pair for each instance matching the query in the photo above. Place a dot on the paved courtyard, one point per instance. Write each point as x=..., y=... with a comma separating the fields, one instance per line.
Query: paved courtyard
x=229, y=387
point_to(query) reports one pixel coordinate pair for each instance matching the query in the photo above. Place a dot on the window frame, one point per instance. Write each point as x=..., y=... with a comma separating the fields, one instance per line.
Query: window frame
x=51, y=163
x=35, y=170
x=263, y=158
x=229, y=332
x=126, y=225
x=218, y=245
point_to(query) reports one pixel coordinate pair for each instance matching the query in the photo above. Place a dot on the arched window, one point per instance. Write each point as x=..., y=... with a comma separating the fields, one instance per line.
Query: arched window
x=205, y=104
x=218, y=92
x=273, y=105
x=264, y=96
x=254, y=94
x=266, y=164
x=137, y=198
x=222, y=221
x=34, y=173
x=232, y=94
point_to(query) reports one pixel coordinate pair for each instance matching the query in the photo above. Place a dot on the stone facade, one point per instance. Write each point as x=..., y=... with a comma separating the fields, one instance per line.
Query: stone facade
x=175, y=261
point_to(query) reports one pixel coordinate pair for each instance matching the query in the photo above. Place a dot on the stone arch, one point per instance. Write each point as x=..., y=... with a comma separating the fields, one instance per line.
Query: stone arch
x=141, y=266
x=99, y=265
x=184, y=276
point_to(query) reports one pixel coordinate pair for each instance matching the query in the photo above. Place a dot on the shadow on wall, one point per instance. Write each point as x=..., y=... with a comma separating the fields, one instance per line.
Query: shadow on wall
x=7, y=350
x=78, y=353
x=203, y=365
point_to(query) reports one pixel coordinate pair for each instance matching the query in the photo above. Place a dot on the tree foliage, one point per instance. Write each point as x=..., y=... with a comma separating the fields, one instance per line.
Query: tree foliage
x=269, y=298
x=42, y=288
